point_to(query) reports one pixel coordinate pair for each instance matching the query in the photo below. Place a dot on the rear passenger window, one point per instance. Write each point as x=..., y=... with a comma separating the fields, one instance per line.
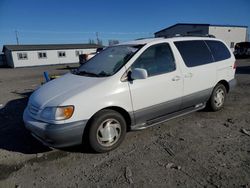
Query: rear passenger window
x=157, y=59
x=194, y=53
x=219, y=50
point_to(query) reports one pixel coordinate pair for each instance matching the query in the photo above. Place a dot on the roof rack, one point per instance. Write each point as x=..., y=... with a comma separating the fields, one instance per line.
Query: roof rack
x=191, y=35
x=142, y=38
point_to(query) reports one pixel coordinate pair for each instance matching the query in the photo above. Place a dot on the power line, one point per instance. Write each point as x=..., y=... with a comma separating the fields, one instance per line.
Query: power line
x=85, y=32
x=85, y=36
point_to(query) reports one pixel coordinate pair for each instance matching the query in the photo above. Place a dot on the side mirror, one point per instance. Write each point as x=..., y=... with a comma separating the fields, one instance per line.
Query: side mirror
x=138, y=73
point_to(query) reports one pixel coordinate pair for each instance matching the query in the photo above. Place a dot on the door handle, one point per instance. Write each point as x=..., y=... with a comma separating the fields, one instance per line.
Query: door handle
x=188, y=75
x=176, y=78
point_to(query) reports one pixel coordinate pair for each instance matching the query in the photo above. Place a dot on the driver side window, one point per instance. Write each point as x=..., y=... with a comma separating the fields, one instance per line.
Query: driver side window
x=157, y=59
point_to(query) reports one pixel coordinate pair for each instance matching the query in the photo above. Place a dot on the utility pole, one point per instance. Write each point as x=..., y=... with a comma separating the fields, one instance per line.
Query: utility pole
x=97, y=37
x=17, y=40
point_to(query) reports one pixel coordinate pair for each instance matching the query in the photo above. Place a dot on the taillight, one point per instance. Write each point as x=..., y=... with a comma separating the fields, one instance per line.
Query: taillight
x=234, y=66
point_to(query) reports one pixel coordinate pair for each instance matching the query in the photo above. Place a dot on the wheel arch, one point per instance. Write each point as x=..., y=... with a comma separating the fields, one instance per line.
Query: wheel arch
x=121, y=111
x=225, y=83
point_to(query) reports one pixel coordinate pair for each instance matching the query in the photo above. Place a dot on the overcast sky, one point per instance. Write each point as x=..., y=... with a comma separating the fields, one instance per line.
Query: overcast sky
x=77, y=21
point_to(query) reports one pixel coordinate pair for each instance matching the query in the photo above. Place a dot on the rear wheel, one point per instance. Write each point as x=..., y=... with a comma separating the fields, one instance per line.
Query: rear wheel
x=218, y=97
x=107, y=130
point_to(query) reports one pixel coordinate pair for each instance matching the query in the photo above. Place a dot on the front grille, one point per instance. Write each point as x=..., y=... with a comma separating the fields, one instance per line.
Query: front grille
x=33, y=109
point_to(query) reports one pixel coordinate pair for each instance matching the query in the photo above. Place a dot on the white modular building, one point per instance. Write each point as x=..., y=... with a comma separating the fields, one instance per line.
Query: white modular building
x=45, y=54
x=231, y=34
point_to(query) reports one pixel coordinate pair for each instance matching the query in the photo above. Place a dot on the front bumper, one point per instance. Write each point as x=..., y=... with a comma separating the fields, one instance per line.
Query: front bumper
x=55, y=135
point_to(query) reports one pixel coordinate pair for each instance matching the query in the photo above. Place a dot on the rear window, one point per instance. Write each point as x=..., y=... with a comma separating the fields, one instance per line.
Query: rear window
x=194, y=53
x=218, y=49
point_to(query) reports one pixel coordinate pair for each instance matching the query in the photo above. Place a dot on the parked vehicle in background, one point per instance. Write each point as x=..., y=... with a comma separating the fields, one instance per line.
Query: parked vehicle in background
x=131, y=86
x=85, y=57
x=242, y=49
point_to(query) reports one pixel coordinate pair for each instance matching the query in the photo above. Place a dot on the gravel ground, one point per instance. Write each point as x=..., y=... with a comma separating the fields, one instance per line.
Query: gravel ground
x=203, y=149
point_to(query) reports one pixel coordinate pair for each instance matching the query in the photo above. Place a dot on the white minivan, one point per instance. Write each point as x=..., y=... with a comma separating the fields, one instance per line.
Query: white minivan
x=131, y=86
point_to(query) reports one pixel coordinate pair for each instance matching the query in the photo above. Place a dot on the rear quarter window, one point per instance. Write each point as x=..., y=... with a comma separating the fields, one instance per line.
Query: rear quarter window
x=194, y=53
x=219, y=50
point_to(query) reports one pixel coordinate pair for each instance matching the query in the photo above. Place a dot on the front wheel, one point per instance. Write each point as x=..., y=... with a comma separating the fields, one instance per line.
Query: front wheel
x=107, y=131
x=218, y=97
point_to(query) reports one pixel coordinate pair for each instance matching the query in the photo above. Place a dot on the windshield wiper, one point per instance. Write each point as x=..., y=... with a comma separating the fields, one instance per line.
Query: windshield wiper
x=86, y=73
x=104, y=74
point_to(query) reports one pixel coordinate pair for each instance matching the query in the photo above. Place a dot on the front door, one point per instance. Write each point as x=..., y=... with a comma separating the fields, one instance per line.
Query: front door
x=160, y=93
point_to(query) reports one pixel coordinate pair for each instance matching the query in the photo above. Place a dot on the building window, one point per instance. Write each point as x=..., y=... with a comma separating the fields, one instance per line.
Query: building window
x=232, y=45
x=22, y=56
x=61, y=54
x=42, y=55
x=78, y=52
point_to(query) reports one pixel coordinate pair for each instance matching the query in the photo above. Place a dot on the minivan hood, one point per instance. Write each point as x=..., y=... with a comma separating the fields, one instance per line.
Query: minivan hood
x=62, y=88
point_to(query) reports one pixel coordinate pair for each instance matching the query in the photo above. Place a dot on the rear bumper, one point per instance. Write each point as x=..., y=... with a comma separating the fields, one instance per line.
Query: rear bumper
x=232, y=84
x=55, y=135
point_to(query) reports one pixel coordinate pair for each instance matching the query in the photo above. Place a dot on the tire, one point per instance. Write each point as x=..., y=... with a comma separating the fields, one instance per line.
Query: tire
x=107, y=131
x=218, y=97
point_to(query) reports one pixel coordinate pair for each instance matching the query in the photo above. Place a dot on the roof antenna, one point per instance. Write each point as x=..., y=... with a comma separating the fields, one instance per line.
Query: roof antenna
x=17, y=40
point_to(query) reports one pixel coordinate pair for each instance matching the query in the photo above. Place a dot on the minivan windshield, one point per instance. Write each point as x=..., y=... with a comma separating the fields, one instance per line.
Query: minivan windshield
x=108, y=61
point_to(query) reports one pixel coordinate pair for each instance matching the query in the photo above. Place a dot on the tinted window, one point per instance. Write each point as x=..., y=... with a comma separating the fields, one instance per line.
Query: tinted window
x=219, y=50
x=157, y=59
x=194, y=53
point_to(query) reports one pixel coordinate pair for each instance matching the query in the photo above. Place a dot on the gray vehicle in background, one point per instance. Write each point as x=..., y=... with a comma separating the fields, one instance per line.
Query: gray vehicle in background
x=242, y=49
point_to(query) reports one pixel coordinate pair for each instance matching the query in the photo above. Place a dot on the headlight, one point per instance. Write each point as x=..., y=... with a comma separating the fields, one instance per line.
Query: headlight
x=58, y=113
